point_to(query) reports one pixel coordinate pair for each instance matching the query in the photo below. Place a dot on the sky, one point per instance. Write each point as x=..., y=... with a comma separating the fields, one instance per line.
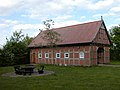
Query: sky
x=28, y=15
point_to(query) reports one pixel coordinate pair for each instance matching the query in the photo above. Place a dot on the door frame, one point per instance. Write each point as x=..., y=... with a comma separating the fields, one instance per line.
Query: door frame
x=100, y=55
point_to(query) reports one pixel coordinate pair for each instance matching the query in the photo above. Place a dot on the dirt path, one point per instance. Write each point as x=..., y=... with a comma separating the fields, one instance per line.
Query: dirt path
x=109, y=65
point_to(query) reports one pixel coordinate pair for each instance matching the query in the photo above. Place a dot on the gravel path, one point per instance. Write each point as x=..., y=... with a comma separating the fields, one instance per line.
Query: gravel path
x=109, y=65
x=12, y=74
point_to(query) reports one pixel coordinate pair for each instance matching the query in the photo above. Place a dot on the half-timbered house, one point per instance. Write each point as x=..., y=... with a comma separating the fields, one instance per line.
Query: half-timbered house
x=83, y=44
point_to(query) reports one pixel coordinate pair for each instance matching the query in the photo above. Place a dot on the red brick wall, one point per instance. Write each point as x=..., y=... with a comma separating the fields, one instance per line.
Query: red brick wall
x=93, y=55
x=72, y=60
x=106, y=55
x=90, y=53
x=94, y=58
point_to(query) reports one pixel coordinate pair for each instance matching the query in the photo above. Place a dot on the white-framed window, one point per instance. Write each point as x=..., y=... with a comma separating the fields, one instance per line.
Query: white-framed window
x=46, y=55
x=39, y=55
x=57, y=55
x=81, y=55
x=66, y=55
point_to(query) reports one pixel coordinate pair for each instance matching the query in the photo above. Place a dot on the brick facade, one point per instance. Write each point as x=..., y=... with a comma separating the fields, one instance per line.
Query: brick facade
x=90, y=55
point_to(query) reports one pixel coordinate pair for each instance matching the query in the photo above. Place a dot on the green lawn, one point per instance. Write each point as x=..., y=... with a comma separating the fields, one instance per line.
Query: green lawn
x=65, y=78
x=115, y=62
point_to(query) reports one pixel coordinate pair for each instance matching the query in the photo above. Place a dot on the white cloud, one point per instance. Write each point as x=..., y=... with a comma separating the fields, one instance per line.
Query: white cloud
x=45, y=8
x=7, y=3
x=111, y=26
x=104, y=15
x=115, y=9
x=39, y=9
x=27, y=27
x=54, y=6
x=3, y=25
x=62, y=18
x=80, y=3
x=68, y=23
x=65, y=23
x=3, y=35
x=33, y=16
x=82, y=17
x=7, y=6
x=117, y=19
x=32, y=27
x=10, y=22
x=100, y=4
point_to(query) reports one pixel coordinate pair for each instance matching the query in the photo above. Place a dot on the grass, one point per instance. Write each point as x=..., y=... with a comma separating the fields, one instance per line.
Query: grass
x=115, y=62
x=65, y=78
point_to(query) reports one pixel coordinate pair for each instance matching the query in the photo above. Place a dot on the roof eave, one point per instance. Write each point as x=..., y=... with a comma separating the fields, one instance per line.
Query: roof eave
x=72, y=44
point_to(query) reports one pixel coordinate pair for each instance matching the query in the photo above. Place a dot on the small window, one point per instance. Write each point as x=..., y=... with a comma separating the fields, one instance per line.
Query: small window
x=81, y=55
x=39, y=55
x=46, y=55
x=57, y=55
x=66, y=55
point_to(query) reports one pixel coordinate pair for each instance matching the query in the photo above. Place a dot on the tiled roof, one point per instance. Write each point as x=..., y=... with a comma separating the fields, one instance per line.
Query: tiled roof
x=80, y=33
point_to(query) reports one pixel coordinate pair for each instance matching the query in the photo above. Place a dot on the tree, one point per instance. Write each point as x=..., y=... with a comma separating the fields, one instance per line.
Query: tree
x=17, y=36
x=27, y=40
x=50, y=36
x=15, y=51
x=115, y=48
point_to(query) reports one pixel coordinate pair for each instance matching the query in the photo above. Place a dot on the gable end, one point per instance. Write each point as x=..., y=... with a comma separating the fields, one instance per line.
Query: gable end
x=102, y=36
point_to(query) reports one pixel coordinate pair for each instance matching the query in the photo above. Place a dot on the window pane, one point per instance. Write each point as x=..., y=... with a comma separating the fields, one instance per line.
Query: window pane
x=57, y=55
x=39, y=55
x=66, y=55
x=81, y=55
x=46, y=55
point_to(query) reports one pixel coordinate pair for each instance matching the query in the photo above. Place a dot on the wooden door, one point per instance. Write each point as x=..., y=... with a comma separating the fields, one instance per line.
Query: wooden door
x=33, y=61
x=100, y=56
